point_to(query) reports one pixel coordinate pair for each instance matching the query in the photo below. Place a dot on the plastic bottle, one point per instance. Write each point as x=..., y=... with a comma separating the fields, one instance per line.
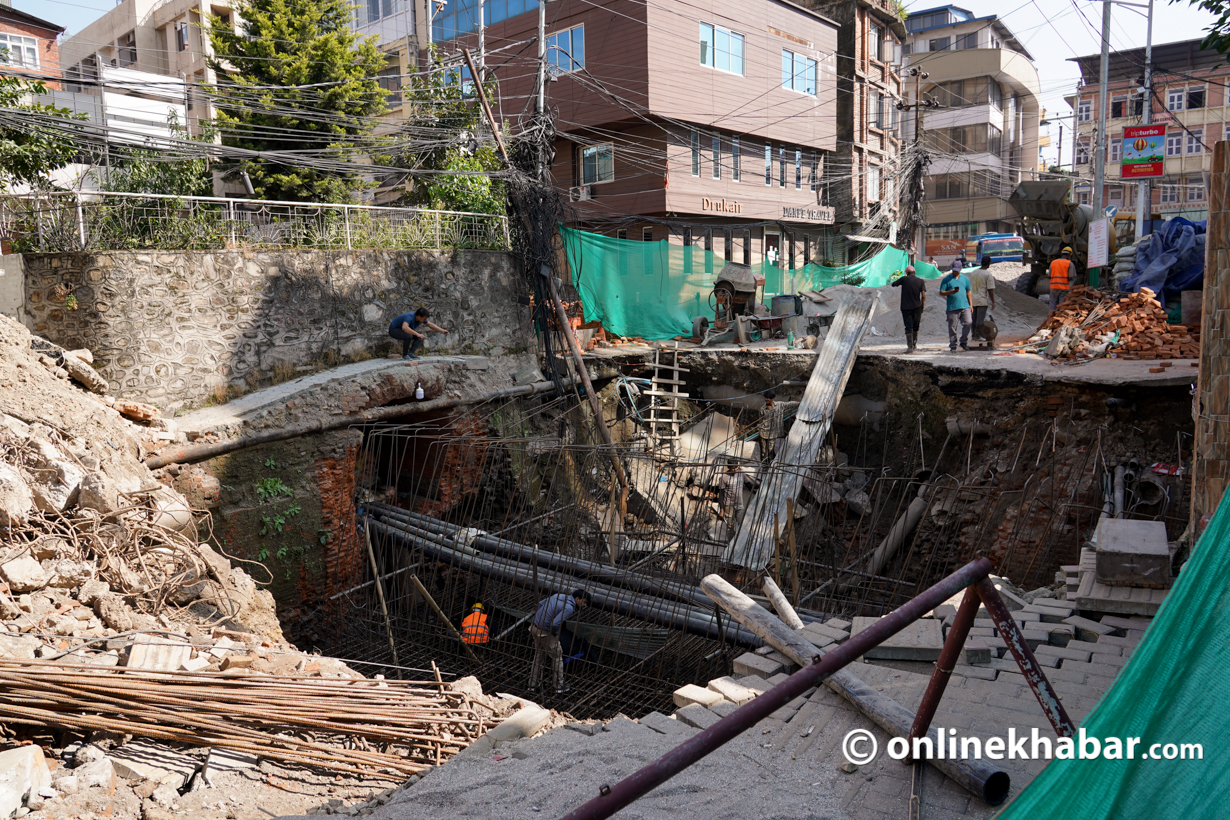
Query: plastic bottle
x=418, y=391
x=790, y=340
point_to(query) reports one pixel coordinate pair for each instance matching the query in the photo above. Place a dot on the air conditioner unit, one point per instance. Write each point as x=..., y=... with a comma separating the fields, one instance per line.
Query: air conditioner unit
x=580, y=193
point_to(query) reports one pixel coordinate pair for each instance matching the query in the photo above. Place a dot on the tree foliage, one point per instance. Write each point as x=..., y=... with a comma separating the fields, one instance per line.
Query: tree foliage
x=1217, y=34
x=295, y=78
x=31, y=151
x=447, y=123
x=150, y=170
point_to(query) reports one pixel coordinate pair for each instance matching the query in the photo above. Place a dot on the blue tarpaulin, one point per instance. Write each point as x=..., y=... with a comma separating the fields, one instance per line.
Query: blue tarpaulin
x=1170, y=260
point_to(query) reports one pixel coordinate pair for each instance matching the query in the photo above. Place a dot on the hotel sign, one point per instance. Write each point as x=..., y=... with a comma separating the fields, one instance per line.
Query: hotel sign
x=823, y=215
x=723, y=206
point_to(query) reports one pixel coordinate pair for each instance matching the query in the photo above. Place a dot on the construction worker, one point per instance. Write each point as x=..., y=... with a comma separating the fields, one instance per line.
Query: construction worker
x=913, y=299
x=474, y=626
x=730, y=496
x=773, y=423
x=982, y=297
x=1062, y=273
x=552, y=612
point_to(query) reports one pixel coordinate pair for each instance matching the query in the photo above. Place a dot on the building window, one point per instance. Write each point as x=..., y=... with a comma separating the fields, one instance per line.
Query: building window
x=1195, y=97
x=597, y=164
x=875, y=103
x=1118, y=108
x=1174, y=145
x=621, y=234
x=905, y=49
x=1175, y=98
x=1194, y=144
x=695, y=153
x=389, y=79
x=717, y=157
x=798, y=170
x=709, y=239
x=798, y=73
x=1084, y=110
x=967, y=41
x=1195, y=193
x=875, y=42
x=646, y=234
x=1169, y=195
x=181, y=36
x=768, y=163
x=811, y=179
x=1114, y=195
x=566, y=50
x=721, y=48
x=127, y=48
x=729, y=248
x=873, y=183
x=18, y=51
x=734, y=159
x=1116, y=150
x=1082, y=198
x=1138, y=105
x=1082, y=153
x=781, y=167
x=938, y=44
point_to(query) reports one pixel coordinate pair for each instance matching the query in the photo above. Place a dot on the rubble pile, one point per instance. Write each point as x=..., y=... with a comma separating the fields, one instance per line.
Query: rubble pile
x=1090, y=324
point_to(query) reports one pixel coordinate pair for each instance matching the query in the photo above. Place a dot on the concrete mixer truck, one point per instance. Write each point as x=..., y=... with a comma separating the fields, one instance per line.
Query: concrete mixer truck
x=1049, y=223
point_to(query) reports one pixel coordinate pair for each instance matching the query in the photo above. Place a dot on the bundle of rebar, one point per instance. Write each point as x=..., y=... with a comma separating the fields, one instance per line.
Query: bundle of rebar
x=353, y=726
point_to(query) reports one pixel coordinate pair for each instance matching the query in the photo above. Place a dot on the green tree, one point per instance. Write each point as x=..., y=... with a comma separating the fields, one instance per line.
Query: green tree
x=296, y=79
x=32, y=150
x=151, y=171
x=1217, y=34
x=448, y=118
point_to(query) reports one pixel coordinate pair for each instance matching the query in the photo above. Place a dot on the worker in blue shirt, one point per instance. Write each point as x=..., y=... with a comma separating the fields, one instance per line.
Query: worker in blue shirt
x=955, y=287
x=552, y=612
x=406, y=329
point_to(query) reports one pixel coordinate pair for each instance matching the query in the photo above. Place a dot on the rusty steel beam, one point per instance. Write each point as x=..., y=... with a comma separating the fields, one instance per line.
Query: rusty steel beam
x=611, y=799
x=1047, y=697
x=944, y=666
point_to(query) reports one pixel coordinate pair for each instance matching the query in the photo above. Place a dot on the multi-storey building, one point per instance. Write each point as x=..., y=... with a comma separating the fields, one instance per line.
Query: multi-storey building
x=29, y=45
x=1191, y=98
x=713, y=124
x=983, y=139
x=869, y=53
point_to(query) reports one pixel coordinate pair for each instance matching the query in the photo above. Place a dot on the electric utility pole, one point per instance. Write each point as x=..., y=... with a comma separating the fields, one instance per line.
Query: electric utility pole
x=541, y=107
x=917, y=193
x=1099, y=157
x=1144, y=191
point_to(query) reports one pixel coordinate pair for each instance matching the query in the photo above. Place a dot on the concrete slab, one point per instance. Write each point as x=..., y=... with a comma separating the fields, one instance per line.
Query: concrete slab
x=1132, y=553
x=691, y=693
x=696, y=716
x=664, y=725
x=157, y=654
x=920, y=641
x=230, y=760
x=146, y=760
x=813, y=633
x=1094, y=596
x=23, y=771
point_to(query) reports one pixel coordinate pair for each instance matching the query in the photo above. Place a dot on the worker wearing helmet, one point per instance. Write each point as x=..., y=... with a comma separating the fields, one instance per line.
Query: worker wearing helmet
x=1062, y=272
x=474, y=626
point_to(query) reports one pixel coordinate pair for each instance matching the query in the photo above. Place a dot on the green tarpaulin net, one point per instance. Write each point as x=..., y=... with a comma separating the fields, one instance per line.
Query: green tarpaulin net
x=1171, y=691
x=655, y=289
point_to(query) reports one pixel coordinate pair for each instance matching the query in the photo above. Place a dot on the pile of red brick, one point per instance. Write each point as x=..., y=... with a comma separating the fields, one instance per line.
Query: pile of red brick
x=1139, y=318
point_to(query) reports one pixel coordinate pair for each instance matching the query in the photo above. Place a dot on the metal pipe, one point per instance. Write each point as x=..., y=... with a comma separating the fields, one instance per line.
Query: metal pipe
x=610, y=599
x=611, y=799
x=1120, y=472
x=371, y=554
x=1034, y=676
x=953, y=645
x=200, y=452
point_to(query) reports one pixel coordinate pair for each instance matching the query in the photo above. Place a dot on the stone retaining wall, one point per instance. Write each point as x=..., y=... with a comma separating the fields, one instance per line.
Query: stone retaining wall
x=176, y=329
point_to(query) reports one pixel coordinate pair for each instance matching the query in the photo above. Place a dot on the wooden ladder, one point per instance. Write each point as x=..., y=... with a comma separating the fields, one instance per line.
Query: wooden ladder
x=664, y=409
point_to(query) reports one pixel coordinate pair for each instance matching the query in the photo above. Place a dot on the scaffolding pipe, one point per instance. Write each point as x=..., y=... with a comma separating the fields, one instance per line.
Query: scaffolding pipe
x=603, y=597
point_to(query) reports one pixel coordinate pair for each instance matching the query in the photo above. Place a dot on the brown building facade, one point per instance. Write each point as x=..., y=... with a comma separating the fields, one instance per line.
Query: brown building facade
x=29, y=45
x=713, y=123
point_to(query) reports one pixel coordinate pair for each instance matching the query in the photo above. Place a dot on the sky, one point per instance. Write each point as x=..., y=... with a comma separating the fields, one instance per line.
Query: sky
x=1051, y=30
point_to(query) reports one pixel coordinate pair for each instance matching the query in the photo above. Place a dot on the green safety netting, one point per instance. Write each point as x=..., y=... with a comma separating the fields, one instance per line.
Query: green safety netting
x=1172, y=691
x=655, y=289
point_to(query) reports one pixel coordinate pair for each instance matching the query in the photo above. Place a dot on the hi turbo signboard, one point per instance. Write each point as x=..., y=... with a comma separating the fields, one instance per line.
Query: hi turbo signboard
x=1144, y=152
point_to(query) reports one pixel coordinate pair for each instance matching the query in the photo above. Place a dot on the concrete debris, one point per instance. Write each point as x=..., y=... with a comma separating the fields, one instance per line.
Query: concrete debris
x=16, y=500
x=81, y=372
x=147, y=760
x=23, y=772
x=136, y=410
x=1089, y=324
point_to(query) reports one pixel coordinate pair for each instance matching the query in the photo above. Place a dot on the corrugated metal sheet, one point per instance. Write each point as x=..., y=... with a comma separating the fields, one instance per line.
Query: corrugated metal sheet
x=753, y=545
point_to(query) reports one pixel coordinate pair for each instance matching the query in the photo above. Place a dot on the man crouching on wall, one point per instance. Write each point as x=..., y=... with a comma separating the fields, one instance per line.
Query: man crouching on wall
x=405, y=328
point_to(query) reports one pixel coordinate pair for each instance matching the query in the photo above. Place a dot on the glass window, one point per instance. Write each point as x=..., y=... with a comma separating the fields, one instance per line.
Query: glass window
x=127, y=46
x=1174, y=145
x=873, y=183
x=768, y=163
x=597, y=164
x=695, y=153
x=1082, y=153
x=1118, y=108
x=939, y=44
x=390, y=80
x=966, y=41
x=1116, y=150
x=798, y=170
x=721, y=48
x=734, y=158
x=566, y=50
x=1082, y=198
x=1084, y=110
x=1195, y=193
x=1138, y=105
x=1175, y=98
x=798, y=72
x=717, y=157
x=21, y=51
x=1195, y=97
x=875, y=42
x=181, y=36
x=1194, y=144
x=1114, y=195
x=1169, y=194
x=646, y=234
x=813, y=177
x=781, y=167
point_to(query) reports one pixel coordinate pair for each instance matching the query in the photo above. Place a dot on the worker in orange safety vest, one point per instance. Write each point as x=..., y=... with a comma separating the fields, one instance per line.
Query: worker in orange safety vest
x=474, y=626
x=1062, y=272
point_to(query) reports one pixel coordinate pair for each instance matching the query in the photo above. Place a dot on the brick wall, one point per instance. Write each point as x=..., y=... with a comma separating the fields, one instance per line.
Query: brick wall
x=48, y=47
x=1211, y=408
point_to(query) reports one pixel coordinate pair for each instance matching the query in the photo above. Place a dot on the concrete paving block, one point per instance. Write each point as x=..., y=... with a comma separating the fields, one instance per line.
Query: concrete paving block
x=788, y=666
x=976, y=651
x=838, y=623
x=732, y=691
x=1132, y=553
x=691, y=693
x=146, y=760
x=1100, y=649
x=195, y=664
x=757, y=683
x=1094, y=596
x=723, y=708
x=587, y=729
x=944, y=612
x=1089, y=630
x=1036, y=638
x=1061, y=634
x=696, y=716
x=976, y=672
x=624, y=725
x=749, y=663
x=1115, y=640
x=1065, y=653
x=230, y=760
x=663, y=725
x=1023, y=615
x=1048, y=614
x=778, y=678
x=157, y=654
x=813, y=635
x=829, y=631
x=1123, y=624
x=920, y=641
x=23, y=772
x=979, y=632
